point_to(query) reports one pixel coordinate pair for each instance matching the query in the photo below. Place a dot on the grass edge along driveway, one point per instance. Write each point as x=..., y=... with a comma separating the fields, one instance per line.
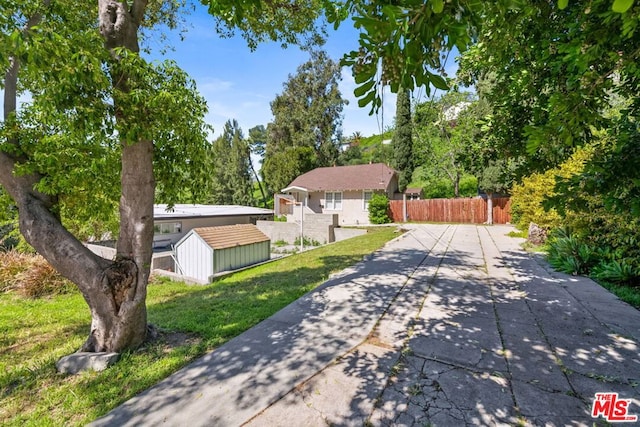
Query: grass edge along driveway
x=193, y=320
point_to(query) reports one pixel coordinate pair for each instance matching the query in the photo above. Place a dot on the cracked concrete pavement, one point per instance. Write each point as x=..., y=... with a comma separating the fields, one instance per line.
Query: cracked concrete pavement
x=449, y=325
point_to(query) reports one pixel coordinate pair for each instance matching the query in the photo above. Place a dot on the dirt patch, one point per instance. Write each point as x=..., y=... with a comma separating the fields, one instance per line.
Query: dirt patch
x=170, y=340
x=177, y=339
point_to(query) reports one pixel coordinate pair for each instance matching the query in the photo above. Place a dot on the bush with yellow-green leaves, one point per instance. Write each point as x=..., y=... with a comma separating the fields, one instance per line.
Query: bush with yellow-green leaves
x=527, y=198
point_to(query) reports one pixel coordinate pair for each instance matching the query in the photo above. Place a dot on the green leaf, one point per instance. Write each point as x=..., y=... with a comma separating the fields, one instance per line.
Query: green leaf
x=390, y=11
x=437, y=6
x=621, y=6
x=364, y=88
x=439, y=82
x=515, y=4
x=562, y=4
x=367, y=99
x=532, y=146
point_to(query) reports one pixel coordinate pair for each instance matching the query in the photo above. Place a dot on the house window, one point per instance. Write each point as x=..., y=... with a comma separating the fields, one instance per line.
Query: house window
x=366, y=196
x=333, y=201
x=167, y=227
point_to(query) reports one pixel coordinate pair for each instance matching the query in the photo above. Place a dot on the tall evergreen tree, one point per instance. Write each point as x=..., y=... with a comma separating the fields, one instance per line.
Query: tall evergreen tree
x=306, y=130
x=231, y=169
x=402, y=141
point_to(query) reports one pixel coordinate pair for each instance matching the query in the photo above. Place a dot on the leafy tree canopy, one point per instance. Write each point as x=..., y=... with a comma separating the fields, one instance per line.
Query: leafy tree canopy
x=451, y=144
x=406, y=40
x=307, y=126
x=231, y=176
x=555, y=69
x=105, y=130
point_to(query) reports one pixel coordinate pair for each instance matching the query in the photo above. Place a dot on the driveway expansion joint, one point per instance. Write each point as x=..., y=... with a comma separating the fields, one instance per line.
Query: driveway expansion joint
x=449, y=325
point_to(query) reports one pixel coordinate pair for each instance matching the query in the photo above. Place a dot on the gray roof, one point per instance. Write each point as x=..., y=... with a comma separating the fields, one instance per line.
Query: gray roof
x=196, y=211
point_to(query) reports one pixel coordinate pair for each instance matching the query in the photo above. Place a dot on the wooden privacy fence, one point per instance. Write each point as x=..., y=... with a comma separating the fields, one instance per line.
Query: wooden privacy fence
x=468, y=210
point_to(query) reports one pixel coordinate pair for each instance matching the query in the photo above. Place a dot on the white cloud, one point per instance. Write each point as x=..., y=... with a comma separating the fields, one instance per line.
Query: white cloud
x=249, y=109
x=214, y=85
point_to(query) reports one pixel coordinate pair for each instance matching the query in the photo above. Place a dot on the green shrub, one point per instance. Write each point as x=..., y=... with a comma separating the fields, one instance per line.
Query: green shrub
x=616, y=258
x=468, y=186
x=605, y=239
x=528, y=197
x=570, y=255
x=379, y=209
x=438, y=189
x=616, y=233
x=617, y=272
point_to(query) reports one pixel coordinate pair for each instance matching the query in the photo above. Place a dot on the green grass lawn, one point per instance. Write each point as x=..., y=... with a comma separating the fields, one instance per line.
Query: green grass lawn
x=192, y=319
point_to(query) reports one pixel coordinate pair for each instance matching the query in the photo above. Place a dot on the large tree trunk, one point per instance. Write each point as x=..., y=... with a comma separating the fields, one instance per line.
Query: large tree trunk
x=111, y=288
x=120, y=320
x=123, y=322
x=115, y=290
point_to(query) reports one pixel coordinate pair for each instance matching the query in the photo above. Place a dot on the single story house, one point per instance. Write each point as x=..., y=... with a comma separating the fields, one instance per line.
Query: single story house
x=170, y=225
x=342, y=190
x=205, y=251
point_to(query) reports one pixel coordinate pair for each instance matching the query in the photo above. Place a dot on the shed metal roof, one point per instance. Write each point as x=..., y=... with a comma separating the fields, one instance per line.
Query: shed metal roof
x=195, y=211
x=230, y=236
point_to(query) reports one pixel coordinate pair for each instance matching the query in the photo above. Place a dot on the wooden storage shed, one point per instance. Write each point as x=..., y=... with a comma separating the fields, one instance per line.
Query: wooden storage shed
x=205, y=251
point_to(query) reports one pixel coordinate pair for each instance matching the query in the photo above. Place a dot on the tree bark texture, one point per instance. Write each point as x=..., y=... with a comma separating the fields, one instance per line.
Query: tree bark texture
x=115, y=290
x=122, y=322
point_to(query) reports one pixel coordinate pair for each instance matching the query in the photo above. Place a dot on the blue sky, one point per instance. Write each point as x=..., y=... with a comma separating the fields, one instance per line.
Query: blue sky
x=239, y=84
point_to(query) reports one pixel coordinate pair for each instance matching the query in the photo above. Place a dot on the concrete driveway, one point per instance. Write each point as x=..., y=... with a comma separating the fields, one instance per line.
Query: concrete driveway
x=448, y=325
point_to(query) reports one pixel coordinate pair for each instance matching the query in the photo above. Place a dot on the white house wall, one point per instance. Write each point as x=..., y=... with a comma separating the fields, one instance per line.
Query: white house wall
x=194, y=257
x=352, y=212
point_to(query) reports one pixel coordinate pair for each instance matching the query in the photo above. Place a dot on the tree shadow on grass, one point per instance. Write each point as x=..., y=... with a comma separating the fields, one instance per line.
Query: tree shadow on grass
x=457, y=348
x=267, y=361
